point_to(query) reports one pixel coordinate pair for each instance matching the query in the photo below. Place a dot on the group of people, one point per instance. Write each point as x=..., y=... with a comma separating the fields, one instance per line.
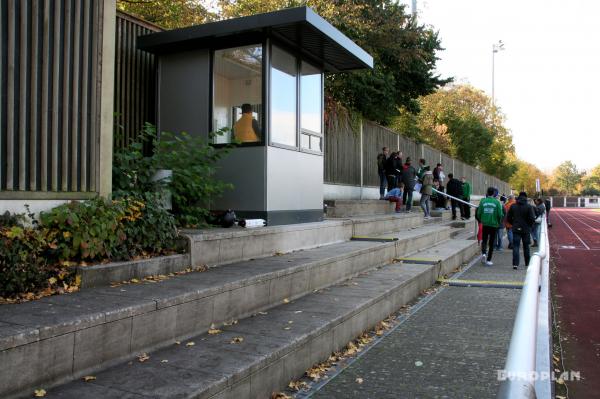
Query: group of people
x=495, y=213
x=521, y=220
x=402, y=178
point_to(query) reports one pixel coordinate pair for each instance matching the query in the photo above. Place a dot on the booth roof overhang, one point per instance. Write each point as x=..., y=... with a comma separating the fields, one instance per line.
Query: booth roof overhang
x=300, y=28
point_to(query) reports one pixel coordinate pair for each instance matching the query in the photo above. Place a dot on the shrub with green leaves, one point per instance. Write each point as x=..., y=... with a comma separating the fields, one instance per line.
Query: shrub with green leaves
x=23, y=267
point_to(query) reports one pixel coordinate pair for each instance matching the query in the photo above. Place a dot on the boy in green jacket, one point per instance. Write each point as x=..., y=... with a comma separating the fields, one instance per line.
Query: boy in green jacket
x=466, y=197
x=490, y=214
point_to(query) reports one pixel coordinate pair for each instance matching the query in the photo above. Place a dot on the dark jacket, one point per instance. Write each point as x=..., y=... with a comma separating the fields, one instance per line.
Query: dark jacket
x=522, y=216
x=381, y=161
x=454, y=188
x=436, y=173
x=393, y=165
x=408, y=176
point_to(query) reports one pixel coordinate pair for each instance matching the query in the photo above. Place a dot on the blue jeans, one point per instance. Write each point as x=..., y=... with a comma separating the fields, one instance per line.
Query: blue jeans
x=517, y=238
x=499, y=237
x=407, y=197
x=509, y=235
x=535, y=232
x=424, y=202
x=382, y=182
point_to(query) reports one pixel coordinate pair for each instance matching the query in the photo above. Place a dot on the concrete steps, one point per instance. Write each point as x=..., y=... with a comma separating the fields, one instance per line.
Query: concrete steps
x=60, y=338
x=276, y=346
x=350, y=208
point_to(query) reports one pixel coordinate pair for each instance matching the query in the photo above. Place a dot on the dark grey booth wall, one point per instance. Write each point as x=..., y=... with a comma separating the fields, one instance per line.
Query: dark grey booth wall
x=184, y=88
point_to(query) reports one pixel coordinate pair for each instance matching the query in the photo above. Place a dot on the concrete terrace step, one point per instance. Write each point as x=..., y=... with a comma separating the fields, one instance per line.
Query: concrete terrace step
x=222, y=246
x=83, y=332
x=277, y=346
x=348, y=208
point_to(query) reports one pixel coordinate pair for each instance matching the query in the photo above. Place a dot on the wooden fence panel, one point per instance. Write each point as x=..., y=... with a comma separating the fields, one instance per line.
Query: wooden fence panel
x=49, y=71
x=135, y=79
x=375, y=137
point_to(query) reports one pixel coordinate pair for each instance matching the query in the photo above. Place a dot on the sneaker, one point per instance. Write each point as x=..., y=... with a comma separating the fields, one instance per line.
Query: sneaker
x=427, y=217
x=515, y=267
x=483, y=258
x=489, y=263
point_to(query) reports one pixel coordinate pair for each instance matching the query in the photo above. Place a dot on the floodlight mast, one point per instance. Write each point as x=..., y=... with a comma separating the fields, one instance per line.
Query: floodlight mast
x=496, y=47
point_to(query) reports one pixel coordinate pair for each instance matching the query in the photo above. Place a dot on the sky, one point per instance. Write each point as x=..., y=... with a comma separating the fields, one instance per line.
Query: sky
x=546, y=79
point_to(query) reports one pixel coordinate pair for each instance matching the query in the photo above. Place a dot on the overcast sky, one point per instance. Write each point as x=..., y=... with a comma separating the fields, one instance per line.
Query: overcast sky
x=546, y=78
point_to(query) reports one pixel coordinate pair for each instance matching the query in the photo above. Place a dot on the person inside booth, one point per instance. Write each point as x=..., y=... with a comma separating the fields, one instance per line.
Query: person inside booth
x=246, y=129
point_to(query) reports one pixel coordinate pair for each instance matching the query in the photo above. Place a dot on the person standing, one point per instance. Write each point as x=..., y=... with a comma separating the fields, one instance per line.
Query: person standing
x=521, y=217
x=539, y=210
x=489, y=213
x=438, y=174
x=426, y=191
x=507, y=225
x=500, y=231
x=454, y=188
x=548, y=205
x=421, y=171
x=381, y=160
x=467, y=191
x=390, y=169
x=409, y=175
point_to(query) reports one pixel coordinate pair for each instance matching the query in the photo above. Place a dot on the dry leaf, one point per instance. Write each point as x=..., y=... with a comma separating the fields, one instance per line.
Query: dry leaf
x=39, y=393
x=359, y=380
x=191, y=343
x=164, y=361
x=89, y=378
x=213, y=331
x=143, y=357
x=280, y=395
x=237, y=340
x=231, y=323
x=177, y=342
x=134, y=280
x=286, y=300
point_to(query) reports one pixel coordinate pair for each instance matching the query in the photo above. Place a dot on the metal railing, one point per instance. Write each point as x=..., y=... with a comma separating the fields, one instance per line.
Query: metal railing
x=527, y=373
x=454, y=198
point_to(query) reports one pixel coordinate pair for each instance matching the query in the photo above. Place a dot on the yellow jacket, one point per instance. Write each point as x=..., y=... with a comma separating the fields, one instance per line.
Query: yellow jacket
x=243, y=129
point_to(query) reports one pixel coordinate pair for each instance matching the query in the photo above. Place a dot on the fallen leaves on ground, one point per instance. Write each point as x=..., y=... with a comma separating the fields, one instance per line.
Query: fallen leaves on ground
x=164, y=361
x=280, y=395
x=191, y=343
x=89, y=378
x=157, y=278
x=39, y=393
x=286, y=300
x=359, y=380
x=143, y=357
x=213, y=330
x=237, y=340
x=231, y=323
x=298, y=385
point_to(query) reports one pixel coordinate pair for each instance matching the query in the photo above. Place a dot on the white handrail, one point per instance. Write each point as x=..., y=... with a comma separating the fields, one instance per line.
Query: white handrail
x=454, y=198
x=521, y=371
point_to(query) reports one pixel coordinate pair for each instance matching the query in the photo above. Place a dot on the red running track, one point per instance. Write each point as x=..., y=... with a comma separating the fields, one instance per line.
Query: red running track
x=575, y=249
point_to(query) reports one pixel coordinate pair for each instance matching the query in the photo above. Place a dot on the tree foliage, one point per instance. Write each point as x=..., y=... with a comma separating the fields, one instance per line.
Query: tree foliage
x=461, y=121
x=590, y=184
x=524, y=178
x=567, y=178
x=168, y=14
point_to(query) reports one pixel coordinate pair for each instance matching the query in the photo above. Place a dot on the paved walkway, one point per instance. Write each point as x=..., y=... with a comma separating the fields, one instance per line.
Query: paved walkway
x=450, y=347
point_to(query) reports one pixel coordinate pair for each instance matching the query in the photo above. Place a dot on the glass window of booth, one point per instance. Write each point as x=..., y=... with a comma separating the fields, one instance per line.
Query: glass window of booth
x=283, y=94
x=237, y=94
x=311, y=107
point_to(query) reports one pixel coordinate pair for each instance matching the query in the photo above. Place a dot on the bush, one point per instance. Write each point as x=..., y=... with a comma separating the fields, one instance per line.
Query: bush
x=192, y=161
x=23, y=267
x=98, y=230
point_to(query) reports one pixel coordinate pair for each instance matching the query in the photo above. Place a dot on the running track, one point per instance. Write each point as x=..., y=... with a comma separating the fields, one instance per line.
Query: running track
x=575, y=249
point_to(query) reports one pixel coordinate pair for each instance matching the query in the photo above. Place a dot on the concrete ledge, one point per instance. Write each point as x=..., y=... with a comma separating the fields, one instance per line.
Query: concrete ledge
x=221, y=246
x=348, y=208
x=104, y=274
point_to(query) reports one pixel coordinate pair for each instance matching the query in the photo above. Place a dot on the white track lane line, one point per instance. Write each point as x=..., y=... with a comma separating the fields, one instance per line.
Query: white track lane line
x=589, y=218
x=569, y=227
x=580, y=220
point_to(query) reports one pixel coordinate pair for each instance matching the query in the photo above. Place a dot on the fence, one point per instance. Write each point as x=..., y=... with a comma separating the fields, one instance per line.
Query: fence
x=351, y=156
x=53, y=106
x=135, y=79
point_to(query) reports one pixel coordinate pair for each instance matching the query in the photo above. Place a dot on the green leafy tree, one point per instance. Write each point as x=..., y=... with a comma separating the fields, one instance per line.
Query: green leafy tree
x=591, y=182
x=461, y=121
x=567, y=178
x=168, y=14
x=404, y=52
x=525, y=176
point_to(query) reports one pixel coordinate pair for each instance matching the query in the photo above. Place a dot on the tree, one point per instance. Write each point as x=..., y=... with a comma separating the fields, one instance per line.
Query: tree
x=404, y=52
x=567, y=178
x=525, y=176
x=591, y=182
x=168, y=14
x=462, y=122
